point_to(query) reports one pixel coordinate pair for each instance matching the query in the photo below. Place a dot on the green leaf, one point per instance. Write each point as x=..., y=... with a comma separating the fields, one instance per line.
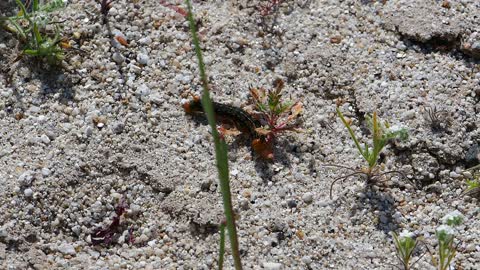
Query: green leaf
x=352, y=135
x=472, y=184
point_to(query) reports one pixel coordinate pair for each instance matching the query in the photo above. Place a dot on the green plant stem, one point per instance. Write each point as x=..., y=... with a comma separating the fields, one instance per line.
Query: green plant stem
x=474, y=168
x=35, y=6
x=220, y=147
x=377, y=141
x=221, y=252
x=351, y=134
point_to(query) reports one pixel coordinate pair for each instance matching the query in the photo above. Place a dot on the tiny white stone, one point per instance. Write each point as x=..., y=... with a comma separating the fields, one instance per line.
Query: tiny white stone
x=45, y=139
x=143, y=90
x=67, y=249
x=406, y=234
x=272, y=265
x=145, y=40
x=45, y=172
x=28, y=192
x=307, y=197
x=143, y=59
x=118, y=58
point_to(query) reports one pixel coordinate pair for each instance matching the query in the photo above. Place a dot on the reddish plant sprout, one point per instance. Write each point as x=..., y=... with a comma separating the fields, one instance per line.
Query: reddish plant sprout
x=105, y=6
x=270, y=7
x=106, y=235
x=175, y=8
x=275, y=116
x=131, y=236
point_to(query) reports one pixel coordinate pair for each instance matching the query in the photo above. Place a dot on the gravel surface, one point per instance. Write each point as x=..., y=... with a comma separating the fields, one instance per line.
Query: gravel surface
x=108, y=129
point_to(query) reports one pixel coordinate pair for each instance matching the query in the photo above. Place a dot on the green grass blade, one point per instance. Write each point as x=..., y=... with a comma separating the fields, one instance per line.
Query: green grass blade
x=22, y=8
x=19, y=30
x=221, y=252
x=365, y=155
x=38, y=36
x=377, y=140
x=35, y=7
x=220, y=146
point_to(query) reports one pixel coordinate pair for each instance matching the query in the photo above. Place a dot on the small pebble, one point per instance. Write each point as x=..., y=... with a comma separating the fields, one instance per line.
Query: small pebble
x=67, y=249
x=45, y=172
x=292, y=203
x=307, y=197
x=26, y=178
x=28, y=192
x=143, y=59
x=118, y=127
x=272, y=266
x=118, y=57
x=44, y=138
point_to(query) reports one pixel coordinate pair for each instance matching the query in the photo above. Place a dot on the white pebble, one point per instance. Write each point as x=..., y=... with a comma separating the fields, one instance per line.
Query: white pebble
x=45, y=172
x=44, y=138
x=143, y=59
x=272, y=266
x=145, y=40
x=118, y=58
x=67, y=249
x=28, y=192
x=307, y=197
x=26, y=178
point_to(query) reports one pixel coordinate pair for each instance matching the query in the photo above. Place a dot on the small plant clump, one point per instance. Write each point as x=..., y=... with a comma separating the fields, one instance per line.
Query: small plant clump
x=274, y=115
x=270, y=117
x=29, y=27
x=473, y=184
x=445, y=234
x=405, y=245
x=381, y=133
x=438, y=119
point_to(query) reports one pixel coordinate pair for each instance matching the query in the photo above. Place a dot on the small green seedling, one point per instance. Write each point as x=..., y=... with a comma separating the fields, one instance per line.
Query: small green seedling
x=381, y=133
x=445, y=234
x=28, y=28
x=473, y=184
x=446, y=248
x=405, y=245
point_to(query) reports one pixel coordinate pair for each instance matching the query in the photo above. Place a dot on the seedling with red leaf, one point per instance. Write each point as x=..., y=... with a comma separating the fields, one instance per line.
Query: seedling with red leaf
x=274, y=115
x=106, y=235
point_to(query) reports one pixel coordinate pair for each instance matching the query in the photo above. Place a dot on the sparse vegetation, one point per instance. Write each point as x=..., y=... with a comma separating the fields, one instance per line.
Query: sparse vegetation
x=30, y=29
x=473, y=183
x=445, y=234
x=109, y=234
x=381, y=133
x=405, y=245
x=437, y=119
x=105, y=6
x=275, y=116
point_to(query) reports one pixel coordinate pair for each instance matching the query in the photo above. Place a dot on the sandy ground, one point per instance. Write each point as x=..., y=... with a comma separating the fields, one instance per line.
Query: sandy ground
x=109, y=127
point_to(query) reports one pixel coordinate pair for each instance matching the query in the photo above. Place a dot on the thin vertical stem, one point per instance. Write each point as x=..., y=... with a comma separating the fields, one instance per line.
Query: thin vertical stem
x=221, y=252
x=220, y=147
